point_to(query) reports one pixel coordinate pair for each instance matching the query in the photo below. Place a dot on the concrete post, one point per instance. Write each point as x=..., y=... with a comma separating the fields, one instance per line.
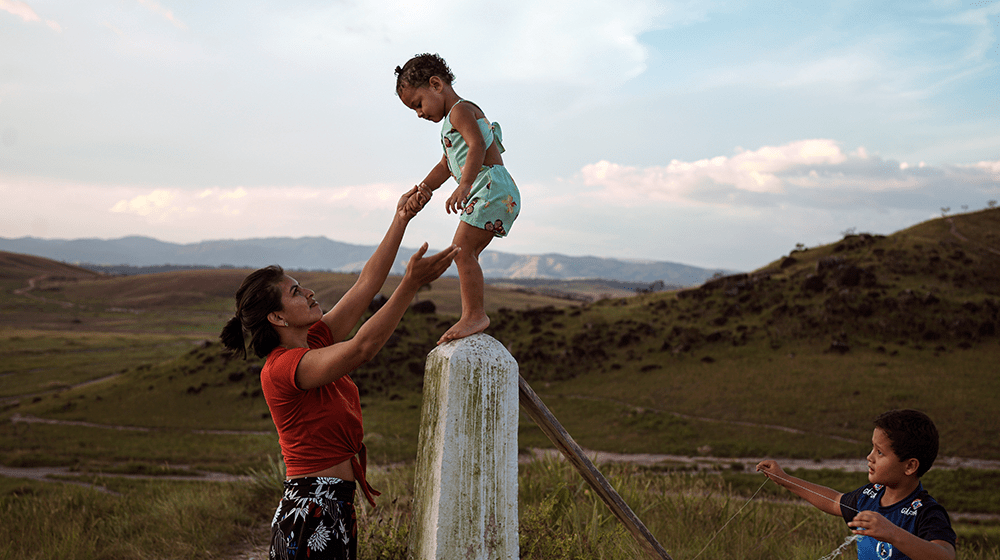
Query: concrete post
x=465, y=495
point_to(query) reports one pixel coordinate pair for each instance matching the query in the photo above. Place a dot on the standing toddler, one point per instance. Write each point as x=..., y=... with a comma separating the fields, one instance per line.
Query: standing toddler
x=486, y=200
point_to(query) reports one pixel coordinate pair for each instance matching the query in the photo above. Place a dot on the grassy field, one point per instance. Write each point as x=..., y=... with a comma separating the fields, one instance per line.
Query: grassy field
x=105, y=376
x=695, y=516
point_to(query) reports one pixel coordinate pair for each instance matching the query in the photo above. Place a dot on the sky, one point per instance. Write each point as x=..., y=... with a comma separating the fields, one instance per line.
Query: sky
x=711, y=133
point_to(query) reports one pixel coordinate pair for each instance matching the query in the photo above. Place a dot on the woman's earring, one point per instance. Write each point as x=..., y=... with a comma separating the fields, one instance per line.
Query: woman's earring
x=286, y=323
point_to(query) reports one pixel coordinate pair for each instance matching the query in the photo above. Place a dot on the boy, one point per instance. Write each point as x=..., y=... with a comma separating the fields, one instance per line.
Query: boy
x=898, y=517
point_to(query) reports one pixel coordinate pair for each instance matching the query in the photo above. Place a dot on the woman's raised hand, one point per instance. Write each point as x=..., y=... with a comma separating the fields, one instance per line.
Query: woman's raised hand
x=424, y=270
x=412, y=201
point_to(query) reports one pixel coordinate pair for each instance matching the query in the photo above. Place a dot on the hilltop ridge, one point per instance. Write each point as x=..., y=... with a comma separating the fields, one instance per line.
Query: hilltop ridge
x=935, y=284
x=322, y=254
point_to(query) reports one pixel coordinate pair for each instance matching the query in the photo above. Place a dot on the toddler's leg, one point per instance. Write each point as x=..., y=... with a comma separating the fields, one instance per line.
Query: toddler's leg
x=472, y=240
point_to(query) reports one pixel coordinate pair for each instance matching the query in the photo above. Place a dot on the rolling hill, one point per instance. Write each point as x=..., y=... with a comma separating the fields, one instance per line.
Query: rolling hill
x=791, y=359
x=320, y=253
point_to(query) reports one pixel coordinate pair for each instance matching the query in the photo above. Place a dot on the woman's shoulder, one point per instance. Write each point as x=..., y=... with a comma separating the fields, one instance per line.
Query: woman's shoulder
x=281, y=357
x=320, y=335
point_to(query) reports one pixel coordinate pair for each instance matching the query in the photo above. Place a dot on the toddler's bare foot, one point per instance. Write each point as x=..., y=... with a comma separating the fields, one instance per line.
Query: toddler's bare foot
x=465, y=327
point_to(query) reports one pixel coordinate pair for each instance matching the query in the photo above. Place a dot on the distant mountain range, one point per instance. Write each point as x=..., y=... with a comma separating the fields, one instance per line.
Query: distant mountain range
x=320, y=253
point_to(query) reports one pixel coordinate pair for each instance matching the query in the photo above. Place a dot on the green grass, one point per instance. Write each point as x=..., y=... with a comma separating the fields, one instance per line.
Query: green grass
x=143, y=519
x=719, y=370
x=37, y=361
x=824, y=395
x=97, y=449
x=560, y=517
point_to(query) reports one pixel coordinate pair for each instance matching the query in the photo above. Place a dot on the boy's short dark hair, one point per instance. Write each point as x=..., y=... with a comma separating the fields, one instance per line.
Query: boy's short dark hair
x=419, y=70
x=913, y=436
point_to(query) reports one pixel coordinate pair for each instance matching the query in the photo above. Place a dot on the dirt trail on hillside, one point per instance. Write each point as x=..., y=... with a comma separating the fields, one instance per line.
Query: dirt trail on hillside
x=32, y=285
x=955, y=233
x=19, y=418
x=66, y=475
x=641, y=409
x=748, y=464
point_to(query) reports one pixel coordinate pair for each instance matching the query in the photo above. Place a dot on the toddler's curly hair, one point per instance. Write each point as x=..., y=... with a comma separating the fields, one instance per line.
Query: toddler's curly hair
x=419, y=70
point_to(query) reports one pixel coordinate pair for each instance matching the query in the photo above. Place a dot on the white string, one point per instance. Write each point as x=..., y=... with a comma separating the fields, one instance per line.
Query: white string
x=730, y=519
x=850, y=539
x=813, y=492
x=840, y=549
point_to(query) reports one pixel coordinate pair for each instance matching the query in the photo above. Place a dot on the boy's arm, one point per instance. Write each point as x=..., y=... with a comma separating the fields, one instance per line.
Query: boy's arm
x=825, y=499
x=871, y=524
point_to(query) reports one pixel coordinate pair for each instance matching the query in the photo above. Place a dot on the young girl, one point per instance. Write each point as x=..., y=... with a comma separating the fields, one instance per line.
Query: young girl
x=486, y=200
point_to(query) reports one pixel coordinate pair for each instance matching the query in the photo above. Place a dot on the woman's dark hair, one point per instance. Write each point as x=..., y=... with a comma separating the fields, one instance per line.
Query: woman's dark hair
x=419, y=70
x=257, y=297
x=913, y=436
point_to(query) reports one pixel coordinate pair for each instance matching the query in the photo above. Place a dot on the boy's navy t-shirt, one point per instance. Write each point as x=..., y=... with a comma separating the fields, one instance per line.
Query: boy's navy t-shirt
x=918, y=513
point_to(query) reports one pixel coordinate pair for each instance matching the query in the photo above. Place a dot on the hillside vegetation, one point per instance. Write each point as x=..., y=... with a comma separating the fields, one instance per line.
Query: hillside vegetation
x=791, y=360
x=819, y=341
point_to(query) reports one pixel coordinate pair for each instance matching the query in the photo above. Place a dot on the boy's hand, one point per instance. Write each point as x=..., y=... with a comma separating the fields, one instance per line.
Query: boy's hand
x=771, y=470
x=872, y=524
x=456, y=202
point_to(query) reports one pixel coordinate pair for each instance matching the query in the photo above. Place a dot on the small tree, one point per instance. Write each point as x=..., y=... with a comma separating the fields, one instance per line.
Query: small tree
x=945, y=210
x=992, y=204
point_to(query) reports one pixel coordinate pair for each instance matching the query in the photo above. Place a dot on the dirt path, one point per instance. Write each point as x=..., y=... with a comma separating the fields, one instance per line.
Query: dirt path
x=955, y=233
x=32, y=284
x=66, y=475
x=748, y=464
x=18, y=418
x=640, y=409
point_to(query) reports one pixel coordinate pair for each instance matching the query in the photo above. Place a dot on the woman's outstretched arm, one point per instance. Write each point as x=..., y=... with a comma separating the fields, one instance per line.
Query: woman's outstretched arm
x=348, y=311
x=325, y=365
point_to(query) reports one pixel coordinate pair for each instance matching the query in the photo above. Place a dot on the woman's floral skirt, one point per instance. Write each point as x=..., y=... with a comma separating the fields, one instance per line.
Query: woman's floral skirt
x=315, y=520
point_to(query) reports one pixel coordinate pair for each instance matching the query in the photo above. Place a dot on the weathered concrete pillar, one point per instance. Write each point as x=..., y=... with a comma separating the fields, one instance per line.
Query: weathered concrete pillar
x=465, y=495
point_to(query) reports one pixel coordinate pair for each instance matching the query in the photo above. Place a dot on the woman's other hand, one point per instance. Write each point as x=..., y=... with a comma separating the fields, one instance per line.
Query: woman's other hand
x=424, y=270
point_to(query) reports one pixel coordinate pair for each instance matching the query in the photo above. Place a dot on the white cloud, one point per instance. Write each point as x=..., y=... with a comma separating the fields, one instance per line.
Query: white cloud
x=812, y=173
x=26, y=13
x=556, y=41
x=354, y=214
x=235, y=194
x=146, y=204
x=19, y=9
x=165, y=13
x=259, y=211
x=749, y=170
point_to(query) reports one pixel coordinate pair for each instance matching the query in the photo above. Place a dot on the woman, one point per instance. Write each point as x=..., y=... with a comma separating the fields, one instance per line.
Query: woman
x=313, y=401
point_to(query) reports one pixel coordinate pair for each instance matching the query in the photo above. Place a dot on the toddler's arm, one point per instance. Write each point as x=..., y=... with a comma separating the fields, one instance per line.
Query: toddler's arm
x=437, y=176
x=825, y=499
x=463, y=118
